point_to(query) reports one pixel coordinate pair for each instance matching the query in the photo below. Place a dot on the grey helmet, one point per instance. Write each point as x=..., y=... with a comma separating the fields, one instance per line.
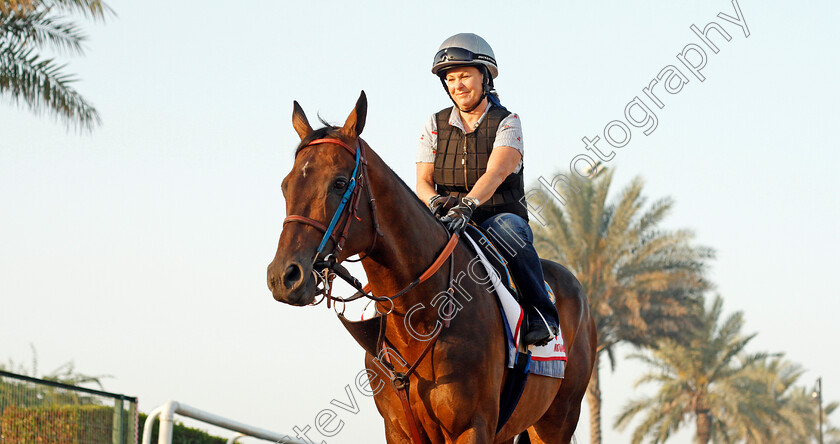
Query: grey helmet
x=465, y=49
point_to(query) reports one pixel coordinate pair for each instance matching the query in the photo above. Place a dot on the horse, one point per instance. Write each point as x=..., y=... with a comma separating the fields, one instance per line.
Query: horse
x=453, y=343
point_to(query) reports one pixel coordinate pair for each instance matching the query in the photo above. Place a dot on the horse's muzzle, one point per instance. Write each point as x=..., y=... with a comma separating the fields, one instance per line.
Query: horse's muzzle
x=291, y=283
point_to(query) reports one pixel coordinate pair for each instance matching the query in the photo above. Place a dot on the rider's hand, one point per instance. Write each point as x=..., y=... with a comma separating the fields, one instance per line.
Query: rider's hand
x=435, y=202
x=456, y=219
x=438, y=204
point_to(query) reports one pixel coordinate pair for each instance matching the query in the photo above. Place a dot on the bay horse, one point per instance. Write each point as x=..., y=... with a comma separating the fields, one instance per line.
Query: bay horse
x=452, y=389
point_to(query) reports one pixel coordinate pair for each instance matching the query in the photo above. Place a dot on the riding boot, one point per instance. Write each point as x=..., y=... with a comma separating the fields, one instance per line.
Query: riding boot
x=541, y=320
x=515, y=242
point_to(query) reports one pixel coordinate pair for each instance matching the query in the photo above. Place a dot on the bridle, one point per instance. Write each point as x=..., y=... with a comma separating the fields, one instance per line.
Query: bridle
x=358, y=180
x=326, y=267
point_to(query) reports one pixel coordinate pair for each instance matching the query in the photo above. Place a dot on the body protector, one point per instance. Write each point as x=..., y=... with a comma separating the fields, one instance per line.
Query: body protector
x=461, y=159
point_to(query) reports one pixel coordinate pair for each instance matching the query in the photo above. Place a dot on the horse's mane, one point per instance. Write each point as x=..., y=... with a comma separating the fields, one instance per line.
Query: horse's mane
x=408, y=189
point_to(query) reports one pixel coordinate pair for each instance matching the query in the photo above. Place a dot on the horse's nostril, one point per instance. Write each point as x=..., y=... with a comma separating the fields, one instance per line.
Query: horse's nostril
x=292, y=276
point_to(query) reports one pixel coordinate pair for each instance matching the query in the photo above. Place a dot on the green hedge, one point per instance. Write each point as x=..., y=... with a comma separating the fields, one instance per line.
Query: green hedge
x=89, y=424
x=182, y=434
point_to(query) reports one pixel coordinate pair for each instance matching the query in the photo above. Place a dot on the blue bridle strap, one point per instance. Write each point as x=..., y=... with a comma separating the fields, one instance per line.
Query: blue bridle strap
x=350, y=187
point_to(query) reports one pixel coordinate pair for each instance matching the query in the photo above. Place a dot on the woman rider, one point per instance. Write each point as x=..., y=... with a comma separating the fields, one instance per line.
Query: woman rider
x=473, y=152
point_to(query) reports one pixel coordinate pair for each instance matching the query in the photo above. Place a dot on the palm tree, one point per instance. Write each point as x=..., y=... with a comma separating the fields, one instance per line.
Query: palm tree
x=641, y=281
x=26, y=28
x=800, y=420
x=796, y=421
x=711, y=380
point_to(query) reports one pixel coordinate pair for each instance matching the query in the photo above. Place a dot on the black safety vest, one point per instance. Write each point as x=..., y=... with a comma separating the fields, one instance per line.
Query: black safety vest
x=460, y=159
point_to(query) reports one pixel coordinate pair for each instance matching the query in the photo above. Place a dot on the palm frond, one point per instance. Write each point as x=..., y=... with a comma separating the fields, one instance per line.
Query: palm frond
x=42, y=85
x=42, y=29
x=630, y=410
x=92, y=9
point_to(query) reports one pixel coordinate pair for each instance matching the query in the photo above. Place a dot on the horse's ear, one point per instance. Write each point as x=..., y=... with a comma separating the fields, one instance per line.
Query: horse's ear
x=356, y=121
x=299, y=122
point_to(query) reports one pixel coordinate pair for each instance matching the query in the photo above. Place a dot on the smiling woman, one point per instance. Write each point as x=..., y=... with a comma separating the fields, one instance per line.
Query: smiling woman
x=464, y=84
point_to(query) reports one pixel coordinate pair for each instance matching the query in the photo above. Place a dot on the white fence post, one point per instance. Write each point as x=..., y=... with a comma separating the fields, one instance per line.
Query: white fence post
x=150, y=422
x=167, y=413
x=167, y=422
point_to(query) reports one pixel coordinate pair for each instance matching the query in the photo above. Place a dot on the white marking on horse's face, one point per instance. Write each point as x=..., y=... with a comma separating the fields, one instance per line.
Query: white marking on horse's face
x=304, y=168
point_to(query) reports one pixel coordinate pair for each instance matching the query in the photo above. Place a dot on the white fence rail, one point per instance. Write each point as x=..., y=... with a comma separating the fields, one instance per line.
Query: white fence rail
x=167, y=413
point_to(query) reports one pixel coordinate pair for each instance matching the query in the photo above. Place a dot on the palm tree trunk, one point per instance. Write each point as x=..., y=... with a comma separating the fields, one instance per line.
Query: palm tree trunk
x=703, y=426
x=593, y=398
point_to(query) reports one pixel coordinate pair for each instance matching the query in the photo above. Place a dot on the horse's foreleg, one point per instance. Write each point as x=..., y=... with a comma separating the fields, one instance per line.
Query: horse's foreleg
x=533, y=438
x=477, y=430
x=393, y=435
x=475, y=435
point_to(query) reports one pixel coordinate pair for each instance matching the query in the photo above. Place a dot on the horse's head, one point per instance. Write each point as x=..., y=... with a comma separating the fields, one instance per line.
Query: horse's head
x=322, y=176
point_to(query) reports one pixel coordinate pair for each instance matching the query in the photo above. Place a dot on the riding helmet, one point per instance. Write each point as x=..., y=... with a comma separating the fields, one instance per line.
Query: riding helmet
x=465, y=49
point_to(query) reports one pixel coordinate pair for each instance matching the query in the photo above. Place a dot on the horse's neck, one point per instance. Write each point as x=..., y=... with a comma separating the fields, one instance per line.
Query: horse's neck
x=412, y=238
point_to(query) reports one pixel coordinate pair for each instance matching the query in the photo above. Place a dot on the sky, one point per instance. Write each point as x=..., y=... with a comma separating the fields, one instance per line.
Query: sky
x=139, y=250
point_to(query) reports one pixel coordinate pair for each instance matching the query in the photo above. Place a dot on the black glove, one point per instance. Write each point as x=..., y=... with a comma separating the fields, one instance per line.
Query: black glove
x=456, y=219
x=438, y=204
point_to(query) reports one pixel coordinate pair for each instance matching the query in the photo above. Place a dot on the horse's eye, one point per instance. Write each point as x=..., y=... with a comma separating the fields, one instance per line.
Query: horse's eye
x=340, y=183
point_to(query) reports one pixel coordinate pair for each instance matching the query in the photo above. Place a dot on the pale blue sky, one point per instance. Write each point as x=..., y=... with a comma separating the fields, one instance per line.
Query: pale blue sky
x=140, y=250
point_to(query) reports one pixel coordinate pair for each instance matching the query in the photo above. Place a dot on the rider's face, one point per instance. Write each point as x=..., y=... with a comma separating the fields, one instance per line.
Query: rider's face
x=465, y=85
